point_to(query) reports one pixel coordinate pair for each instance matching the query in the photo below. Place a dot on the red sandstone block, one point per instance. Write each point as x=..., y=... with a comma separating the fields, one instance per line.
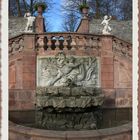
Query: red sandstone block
x=12, y=78
x=29, y=54
x=24, y=96
x=29, y=76
x=27, y=105
x=123, y=102
x=29, y=43
x=106, y=43
x=29, y=58
x=11, y=96
x=106, y=53
x=29, y=68
x=107, y=60
x=29, y=85
x=11, y=63
x=12, y=103
x=110, y=96
x=107, y=76
x=107, y=84
x=124, y=97
x=12, y=85
x=126, y=92
x=18, y=136
x=28, y=62
x=107, y=68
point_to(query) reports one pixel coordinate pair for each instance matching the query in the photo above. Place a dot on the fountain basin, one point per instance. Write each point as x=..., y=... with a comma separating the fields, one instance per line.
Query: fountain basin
x=17, y=132
x=20, y=127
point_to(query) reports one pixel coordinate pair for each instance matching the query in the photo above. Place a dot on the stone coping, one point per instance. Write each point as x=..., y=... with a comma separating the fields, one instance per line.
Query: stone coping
x=123, y=129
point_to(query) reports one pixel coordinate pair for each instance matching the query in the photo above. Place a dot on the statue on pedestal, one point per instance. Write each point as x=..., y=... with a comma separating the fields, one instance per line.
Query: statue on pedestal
x=30, y=22
x=106, y=30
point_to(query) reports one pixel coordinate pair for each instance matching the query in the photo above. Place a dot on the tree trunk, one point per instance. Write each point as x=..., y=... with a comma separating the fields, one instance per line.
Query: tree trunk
x=97, y=9
x=25, y=7
x=18, y=8
x=10, y=9
x=31, y=6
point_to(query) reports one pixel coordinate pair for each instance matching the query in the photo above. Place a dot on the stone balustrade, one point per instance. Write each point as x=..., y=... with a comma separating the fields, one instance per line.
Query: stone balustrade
x=69, y=41
x=122, y=47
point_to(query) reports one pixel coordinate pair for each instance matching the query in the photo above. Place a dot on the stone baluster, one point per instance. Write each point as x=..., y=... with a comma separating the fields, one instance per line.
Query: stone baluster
x=57, y=43
x=73, y=43
x=41, y=41
x=99, y=43
x=95, y=43
x=49, y=43
x=85, y=42
x=41, y=44
x=90, y=43
x=65, y=44
x=21, y=45
x=80, y=43
x=13, y=47
x=129, y=51
x=124, y=49
x=10, y=50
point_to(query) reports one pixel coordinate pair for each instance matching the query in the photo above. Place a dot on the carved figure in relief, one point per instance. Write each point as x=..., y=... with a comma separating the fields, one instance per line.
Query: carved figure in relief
x=105, y=23
x=67, y=70
x=30, y=22
x=63, y=71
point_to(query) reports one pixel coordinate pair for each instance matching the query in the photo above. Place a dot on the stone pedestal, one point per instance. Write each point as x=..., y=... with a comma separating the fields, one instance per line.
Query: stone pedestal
x=83, y=26
x=39, y=25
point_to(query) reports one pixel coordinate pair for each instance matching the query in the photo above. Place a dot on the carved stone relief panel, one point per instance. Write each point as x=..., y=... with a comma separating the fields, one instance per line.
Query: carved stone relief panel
x=62, y=70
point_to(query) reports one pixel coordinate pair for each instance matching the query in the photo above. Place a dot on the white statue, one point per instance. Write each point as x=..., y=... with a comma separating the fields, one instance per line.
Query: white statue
x=105, y=23
x=30, y=22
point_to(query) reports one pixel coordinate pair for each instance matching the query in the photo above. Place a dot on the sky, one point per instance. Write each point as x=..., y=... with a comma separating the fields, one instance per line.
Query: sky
x=55, y=16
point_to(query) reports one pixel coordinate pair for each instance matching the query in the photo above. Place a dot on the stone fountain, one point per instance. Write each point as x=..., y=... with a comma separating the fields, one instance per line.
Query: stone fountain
x=68, y=82
x=67, y=96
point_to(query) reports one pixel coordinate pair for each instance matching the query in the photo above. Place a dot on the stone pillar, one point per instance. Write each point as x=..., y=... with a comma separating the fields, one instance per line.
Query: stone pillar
x=29, y=63
x=22, y=76
x=84, y=24
x=39, y=22
x=107, y=71
x=107, y=66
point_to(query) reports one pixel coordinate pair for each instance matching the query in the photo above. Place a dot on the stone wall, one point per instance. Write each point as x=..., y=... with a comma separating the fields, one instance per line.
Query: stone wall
x=121, y=29
x=16, y=26
x=115, y=66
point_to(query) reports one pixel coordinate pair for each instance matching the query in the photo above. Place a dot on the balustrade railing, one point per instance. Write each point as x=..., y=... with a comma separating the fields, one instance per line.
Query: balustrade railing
x=122, y=47
x=68, y=41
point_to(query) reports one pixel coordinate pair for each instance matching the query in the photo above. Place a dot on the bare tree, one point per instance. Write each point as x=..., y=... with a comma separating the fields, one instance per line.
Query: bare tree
x=25, y=6
x=70, y=22
x=126, y=9
x=31, y=6
x=18, y=7
x=122, y=9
